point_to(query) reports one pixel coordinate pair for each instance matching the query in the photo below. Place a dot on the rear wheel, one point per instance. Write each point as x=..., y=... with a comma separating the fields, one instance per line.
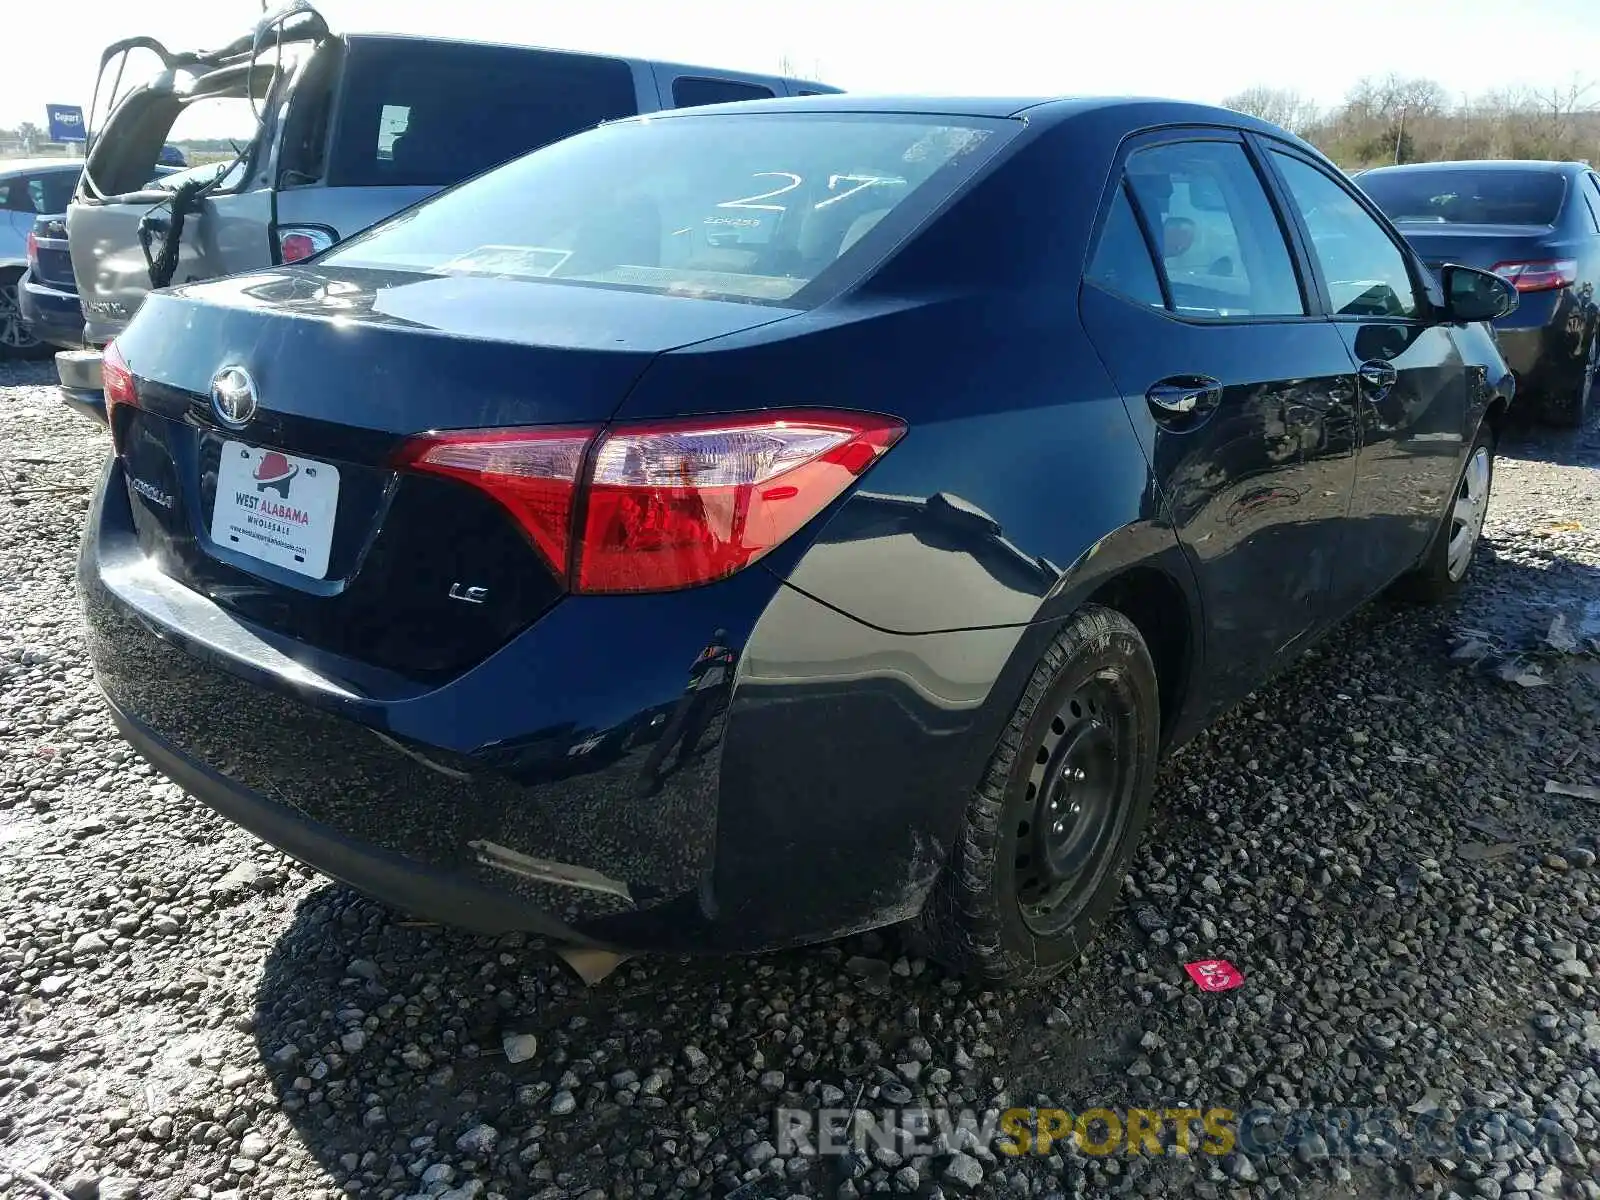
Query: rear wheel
x=1059, y=811
x=1450, y=555
x=15, y=340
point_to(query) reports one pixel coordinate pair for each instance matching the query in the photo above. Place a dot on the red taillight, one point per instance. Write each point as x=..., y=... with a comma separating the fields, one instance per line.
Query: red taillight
x=1544, y=276
x=679, y=503
x=533, y=473
x=115, y=380
x=669, y=504
x=33, y=249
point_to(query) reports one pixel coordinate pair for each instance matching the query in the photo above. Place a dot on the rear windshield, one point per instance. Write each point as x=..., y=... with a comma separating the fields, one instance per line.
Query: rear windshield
x=749, y=207
x=1467, y=197
x=425, y=114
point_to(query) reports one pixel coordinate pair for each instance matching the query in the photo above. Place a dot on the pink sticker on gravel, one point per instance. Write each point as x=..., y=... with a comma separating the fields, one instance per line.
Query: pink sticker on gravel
x=1214, y=974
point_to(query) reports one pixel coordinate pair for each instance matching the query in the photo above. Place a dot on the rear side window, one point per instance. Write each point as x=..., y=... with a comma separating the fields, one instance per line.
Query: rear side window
x=45, y=193
x=1122, y=261
x=689, y=92
x=731, y=206
x=1463, y=196
x=421, y=114
x=1221, y=247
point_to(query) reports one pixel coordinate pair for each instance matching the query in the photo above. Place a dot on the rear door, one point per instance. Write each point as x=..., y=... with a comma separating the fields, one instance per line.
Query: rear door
x=1412, y=380
x=1240, y=390
x=412, y=116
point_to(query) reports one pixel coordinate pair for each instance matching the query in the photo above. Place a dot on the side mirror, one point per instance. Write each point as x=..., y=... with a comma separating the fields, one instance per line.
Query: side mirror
x=1474, y=295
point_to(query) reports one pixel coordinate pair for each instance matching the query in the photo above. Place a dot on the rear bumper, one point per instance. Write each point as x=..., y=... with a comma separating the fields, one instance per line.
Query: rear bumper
x=570, y=785
x=81, y=390
x=394, y=879
x=1546, y=343
x=51, y=315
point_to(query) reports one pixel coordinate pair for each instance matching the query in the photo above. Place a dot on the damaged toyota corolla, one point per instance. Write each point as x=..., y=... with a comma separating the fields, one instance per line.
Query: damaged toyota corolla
x=726, y=530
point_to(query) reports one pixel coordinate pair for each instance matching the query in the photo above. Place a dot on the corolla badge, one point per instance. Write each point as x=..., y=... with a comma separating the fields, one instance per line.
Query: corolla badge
x=151, y=492
x=233, y=396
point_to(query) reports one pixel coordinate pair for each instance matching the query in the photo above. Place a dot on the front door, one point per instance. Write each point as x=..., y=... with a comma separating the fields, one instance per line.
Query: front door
x=1244, y=400
x=1413, y=383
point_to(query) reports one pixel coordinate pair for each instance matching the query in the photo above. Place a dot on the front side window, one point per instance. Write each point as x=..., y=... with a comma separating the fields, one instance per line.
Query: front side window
x=1221, y=247
x=749, y=207
x=1366, y=272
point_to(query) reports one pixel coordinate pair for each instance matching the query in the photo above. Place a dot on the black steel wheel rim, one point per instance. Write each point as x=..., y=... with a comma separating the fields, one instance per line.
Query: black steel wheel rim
x=1078, y=800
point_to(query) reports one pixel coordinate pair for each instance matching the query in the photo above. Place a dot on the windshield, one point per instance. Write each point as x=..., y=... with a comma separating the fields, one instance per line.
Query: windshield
x=736, y=206
x=1467, y=197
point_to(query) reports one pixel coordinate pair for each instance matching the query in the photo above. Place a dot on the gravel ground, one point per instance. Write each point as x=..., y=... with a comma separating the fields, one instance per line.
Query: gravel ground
x=184, y=1012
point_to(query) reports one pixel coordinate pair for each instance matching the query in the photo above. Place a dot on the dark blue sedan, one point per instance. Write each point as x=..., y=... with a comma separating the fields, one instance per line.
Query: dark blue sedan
x=1535, y=224
x=728, y=529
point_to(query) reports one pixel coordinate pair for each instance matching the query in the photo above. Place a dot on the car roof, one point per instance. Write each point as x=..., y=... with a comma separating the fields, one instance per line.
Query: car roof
x=708, y=72
x=1143, y=111
x=32, y=166
x=1485, y=164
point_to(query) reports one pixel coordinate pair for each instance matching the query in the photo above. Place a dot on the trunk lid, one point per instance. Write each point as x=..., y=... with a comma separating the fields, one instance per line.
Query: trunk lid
x=294, y=518
x=1476, y=245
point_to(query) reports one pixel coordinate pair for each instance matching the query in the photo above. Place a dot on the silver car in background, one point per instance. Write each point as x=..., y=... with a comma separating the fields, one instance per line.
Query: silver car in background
x=349, y=129
x=29, y=188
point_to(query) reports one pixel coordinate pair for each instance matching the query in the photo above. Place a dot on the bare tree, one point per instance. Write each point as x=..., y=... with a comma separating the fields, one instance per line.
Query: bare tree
x=1281, y=106
x=1385, y=99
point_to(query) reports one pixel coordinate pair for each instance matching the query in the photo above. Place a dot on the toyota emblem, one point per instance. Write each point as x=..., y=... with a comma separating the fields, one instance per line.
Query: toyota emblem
x=233, y=396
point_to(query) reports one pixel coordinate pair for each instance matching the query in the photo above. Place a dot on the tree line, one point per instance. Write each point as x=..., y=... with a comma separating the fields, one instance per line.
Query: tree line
x=1402, y=119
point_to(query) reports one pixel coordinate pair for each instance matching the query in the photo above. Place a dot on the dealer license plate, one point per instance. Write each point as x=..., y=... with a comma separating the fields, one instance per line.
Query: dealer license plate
x=276, y=507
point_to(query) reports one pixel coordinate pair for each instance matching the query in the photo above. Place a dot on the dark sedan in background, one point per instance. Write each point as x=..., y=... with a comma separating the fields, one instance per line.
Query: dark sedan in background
x=47, y=294
x=742, y=526
x=28, y=187
x=1536, y=224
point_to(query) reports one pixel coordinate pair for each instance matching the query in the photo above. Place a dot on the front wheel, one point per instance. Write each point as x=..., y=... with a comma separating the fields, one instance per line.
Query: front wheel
x=1450, y=555
x=1061, y=806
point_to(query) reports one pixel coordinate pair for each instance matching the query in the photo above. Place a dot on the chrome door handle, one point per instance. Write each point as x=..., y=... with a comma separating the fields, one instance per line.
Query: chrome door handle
x=1378, y=377
x=1184, y=395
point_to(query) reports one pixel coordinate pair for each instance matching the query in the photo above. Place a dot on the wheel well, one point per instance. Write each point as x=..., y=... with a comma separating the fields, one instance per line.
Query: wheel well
x=1159, y=609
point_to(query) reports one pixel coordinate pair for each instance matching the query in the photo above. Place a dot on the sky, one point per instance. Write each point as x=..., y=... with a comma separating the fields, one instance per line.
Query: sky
x=1199, y=50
